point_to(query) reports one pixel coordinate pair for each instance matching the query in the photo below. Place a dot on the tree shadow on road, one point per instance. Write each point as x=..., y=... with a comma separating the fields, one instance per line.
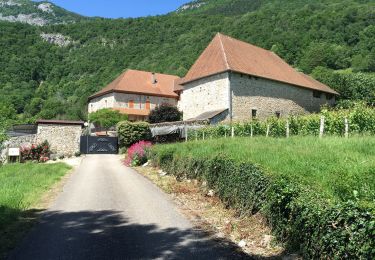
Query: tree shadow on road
x=108, y=235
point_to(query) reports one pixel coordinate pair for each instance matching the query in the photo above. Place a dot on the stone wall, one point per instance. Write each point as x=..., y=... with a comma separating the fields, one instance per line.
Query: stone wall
x=207, y=94
x=63, y=139
x=15, y=142
x=269, y=97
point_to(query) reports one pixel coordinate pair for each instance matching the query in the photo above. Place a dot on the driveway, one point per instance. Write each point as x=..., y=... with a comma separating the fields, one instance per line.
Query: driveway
x=108, y=211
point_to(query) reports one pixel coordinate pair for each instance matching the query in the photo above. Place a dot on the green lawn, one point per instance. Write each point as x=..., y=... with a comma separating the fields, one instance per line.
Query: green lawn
x=338, y=168
x=21, y=188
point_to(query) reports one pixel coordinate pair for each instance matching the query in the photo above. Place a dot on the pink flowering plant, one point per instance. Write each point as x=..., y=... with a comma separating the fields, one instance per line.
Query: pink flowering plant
x=40, y=152
x=137, y=153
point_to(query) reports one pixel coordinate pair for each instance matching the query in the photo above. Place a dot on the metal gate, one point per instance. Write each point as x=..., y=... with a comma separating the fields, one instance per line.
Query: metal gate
x=99, y=145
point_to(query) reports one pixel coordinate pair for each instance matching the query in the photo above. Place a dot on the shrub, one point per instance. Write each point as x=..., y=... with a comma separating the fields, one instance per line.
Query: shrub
x=40, y=152
x=77, y=154
x=107, y=118
x=129, y=133
x=137, y=153
x=305, y=220
x=165, y=113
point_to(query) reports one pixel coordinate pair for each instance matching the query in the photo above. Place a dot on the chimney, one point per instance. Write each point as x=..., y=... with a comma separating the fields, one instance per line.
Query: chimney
x=154, y=80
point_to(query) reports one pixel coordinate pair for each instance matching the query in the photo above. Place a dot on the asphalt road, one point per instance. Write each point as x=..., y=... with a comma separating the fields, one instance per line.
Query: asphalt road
x=108, y=211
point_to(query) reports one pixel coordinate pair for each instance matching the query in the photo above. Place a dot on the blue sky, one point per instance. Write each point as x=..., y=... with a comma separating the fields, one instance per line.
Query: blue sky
x=120, y=8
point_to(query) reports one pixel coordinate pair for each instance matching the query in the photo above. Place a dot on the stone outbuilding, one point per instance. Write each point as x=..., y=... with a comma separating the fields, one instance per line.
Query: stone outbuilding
x=63, y=136
x=249, y=82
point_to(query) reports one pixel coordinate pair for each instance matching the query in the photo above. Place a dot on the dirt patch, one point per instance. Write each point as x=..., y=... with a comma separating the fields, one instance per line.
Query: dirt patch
x=207, y=212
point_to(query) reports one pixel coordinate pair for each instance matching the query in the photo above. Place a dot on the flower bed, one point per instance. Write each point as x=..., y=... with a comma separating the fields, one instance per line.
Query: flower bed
x=36, y=152
x=137, y=153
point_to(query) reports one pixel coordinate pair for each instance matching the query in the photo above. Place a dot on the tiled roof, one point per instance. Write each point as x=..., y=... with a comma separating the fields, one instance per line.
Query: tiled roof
x=227, y=54
x=141, y=82
x=133, y=111
x=59, y=122
x=208, y=115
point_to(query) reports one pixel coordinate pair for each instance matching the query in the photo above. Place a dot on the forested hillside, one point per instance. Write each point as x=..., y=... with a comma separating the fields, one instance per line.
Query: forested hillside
x=332, y=40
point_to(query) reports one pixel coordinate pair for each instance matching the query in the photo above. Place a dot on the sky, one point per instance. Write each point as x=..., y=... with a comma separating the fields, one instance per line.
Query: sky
x=120, y=8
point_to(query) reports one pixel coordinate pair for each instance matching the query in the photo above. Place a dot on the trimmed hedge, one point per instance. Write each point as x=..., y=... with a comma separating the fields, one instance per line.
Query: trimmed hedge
x=361, y=121
x=130, y=133
x=305, y=221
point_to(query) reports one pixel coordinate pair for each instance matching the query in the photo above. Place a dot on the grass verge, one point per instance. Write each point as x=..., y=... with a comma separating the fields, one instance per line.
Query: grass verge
x=21, y=188
x=317, y=194
x=208, y=213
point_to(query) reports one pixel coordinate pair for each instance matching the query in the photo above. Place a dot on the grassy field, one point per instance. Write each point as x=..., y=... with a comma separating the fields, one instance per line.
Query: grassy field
x=21, y=188
x=338, y=168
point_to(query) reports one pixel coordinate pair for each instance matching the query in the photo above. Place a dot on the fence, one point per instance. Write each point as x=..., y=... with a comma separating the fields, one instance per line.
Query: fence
x=340, y=123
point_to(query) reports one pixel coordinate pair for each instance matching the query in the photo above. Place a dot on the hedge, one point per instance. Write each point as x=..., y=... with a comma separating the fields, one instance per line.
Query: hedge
x=130, y=133
x=305, y=221
x=361, y=120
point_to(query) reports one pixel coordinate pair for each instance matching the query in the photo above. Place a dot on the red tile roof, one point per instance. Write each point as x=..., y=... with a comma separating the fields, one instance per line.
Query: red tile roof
x=227, y=54
x=141, y=82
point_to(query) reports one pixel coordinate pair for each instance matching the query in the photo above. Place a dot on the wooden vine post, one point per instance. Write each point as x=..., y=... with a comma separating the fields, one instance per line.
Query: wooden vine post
x=251, y=131
x=268, y=131
x=287, y=129
x=232, y=131
x=346, y=128
x=186, y=133
x=321, y=131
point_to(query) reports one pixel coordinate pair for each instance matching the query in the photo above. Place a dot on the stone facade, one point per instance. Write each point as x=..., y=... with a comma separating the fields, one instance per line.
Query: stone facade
x=63, y=139
x=207, y=94
x=269, y=97
x=105, y=101
x=121, y=100
x=242, y=94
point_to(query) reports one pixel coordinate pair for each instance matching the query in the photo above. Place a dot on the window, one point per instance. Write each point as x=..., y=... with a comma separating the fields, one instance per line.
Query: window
x=329, y=96
x=131, y=103
x=317, y=94
x=278, y=114
x=253, y=113
x=148, y=104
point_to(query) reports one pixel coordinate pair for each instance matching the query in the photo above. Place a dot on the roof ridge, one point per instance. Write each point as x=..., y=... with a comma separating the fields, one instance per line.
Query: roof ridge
x=223, y=51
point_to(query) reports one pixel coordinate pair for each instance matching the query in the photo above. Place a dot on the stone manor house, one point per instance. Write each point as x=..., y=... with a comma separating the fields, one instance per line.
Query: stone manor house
x=231, y=80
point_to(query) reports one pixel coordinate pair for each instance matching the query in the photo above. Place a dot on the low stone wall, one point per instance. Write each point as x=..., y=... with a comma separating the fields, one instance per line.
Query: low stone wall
x=63, y=139
x=15, y=142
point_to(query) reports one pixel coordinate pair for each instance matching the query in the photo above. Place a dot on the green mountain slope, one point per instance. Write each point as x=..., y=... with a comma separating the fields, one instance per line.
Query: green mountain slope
x=35, y=13
x=41, y=79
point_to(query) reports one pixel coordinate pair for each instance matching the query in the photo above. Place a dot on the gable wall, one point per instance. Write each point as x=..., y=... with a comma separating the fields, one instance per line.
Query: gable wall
x=267, y=97
x=207, y=94
x=105, y=101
